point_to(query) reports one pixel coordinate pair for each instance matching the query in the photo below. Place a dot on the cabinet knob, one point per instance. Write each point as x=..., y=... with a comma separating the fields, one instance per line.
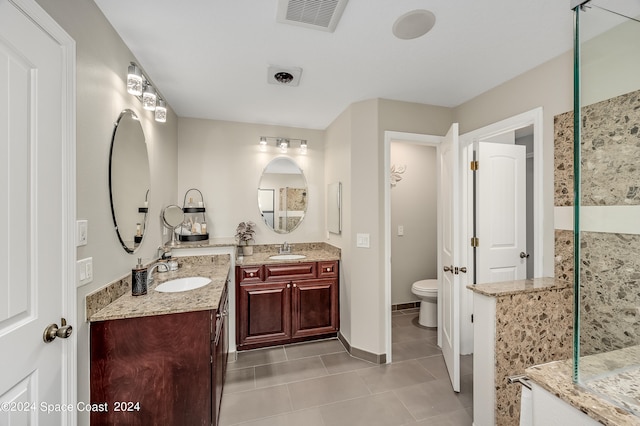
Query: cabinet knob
x=328, y=269
x=295, y=285
x=251, y=274
x=288, y=285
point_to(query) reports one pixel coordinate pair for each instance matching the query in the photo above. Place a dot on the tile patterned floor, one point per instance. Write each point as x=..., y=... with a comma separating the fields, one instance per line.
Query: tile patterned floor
x=320, y=384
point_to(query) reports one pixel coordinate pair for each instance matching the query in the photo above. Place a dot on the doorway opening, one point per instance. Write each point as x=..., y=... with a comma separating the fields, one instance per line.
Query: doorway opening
x=531, y=121
x=525, y=129
x=412, y=228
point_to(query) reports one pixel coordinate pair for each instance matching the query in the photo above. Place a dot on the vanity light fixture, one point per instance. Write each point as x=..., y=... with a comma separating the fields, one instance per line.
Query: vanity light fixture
x=283, y=143
x=139, y=86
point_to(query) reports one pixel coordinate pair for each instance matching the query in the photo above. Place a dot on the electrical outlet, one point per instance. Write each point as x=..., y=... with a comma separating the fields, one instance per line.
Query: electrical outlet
x=84, y=268
x=400, y=230
x=82, y=232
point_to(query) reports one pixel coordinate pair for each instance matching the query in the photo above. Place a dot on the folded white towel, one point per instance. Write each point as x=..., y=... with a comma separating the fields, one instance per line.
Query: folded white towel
x=526, y=407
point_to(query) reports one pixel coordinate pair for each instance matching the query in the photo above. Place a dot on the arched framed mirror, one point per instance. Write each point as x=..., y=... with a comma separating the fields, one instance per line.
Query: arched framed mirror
x=129, y=180
x=282, y=195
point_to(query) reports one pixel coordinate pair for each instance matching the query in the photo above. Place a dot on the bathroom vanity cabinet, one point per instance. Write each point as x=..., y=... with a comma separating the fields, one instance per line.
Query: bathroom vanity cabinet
x=163, y=369
x=286, y=302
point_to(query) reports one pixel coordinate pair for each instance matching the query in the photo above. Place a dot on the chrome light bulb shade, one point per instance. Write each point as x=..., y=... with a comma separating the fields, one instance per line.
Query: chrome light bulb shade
x=134, y=80
x=161, y=111
x=149, y=98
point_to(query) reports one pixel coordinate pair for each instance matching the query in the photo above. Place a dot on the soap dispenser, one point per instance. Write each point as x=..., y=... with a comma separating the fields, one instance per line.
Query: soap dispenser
x=139, y=279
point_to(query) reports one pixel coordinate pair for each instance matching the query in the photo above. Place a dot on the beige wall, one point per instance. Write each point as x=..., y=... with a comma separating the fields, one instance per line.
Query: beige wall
x=337, y=168
x=223, y=160
x=102, y=61
x=359, y=131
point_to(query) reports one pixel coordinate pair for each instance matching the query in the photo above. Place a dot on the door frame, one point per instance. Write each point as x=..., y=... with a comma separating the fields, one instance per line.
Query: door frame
x=418, y=139
x=67, y=45
x=533, y=118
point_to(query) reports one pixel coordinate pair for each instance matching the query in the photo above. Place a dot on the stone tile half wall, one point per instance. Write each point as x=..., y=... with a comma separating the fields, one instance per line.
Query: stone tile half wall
x=610, y=268
x=531, y=329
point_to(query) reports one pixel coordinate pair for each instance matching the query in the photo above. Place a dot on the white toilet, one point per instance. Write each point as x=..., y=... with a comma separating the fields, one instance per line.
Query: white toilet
x=427, y=291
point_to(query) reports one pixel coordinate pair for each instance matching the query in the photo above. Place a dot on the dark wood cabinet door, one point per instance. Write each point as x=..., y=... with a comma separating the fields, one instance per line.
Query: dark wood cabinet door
x=264, y=314
x=315, y=307
x=220, y=353
x=161, y=363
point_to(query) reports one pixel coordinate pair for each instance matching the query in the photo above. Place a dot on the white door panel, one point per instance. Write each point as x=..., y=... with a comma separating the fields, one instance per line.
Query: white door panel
x=33, y=254
x=450, y=291
x=501, y=212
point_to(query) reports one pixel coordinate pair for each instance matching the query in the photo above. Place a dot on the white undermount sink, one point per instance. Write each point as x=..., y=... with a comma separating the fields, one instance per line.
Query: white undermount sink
x=287, y=256
x=182, y=284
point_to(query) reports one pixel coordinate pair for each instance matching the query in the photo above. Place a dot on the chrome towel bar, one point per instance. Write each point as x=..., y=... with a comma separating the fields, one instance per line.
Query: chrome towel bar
x=522, y=379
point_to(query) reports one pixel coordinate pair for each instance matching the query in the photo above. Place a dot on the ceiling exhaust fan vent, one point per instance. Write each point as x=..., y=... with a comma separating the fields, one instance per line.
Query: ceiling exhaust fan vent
x=284, y=76
x=316, y=14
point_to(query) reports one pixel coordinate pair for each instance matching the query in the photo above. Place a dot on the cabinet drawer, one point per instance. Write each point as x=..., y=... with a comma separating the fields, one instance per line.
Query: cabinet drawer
x=250, y=274
x=328, y=269
x=290, y=271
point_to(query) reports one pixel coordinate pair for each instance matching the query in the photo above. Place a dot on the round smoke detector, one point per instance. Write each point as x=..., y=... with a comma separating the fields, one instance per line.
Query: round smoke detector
x=414, y=24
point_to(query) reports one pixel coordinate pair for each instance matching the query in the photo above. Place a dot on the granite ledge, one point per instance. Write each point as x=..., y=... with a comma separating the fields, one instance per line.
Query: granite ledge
x=313, y=252
x=507, y=288
x=157, y=303
x=211, y=242
x=556, y=378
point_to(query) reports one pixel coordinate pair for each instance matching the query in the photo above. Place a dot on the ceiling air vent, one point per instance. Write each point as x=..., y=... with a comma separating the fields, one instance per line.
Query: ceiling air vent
x=316, y=14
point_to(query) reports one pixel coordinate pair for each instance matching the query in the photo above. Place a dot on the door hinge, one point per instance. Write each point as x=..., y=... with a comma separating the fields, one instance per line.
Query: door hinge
x=471, y=318
x=475, y=241
x=474, y=165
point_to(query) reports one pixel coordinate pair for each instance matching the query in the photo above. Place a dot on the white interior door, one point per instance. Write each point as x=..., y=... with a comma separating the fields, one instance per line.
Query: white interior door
x=501, y=208
x=34, y=199
x=450, y=254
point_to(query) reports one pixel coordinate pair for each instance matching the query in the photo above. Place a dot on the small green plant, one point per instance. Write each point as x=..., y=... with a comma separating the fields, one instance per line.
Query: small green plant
x=245, y=232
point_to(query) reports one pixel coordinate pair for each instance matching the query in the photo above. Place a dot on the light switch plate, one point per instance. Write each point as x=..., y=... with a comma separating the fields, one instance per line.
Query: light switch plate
x=362, y=240
x=82, y=229
x=84, y=269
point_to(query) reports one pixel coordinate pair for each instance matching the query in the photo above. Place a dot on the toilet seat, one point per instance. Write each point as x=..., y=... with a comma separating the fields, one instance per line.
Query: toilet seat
x=426, y=288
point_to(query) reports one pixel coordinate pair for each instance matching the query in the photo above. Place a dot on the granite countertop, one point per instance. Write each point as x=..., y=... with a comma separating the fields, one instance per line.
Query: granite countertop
x=607, y=383
x=313, y=252
x=519, y=286
x=157, y=303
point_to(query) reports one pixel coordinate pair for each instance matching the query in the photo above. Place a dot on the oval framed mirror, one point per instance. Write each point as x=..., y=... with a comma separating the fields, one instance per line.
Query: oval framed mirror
x=282, y=195
x=129, y=180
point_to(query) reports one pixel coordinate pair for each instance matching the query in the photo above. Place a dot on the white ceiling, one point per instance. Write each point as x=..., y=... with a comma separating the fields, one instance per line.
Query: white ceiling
x=209, y=58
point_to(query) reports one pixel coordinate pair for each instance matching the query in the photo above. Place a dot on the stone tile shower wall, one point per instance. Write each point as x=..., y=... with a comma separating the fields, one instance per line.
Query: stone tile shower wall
x=610, y=268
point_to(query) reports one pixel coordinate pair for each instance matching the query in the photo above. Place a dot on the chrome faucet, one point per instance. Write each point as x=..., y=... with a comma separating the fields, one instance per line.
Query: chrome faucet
x=156, y=266
x=285, y=248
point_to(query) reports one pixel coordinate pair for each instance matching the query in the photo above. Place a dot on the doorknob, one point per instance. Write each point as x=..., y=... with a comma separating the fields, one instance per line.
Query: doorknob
x=52, y=331
x=524, y=255
x=448, y=268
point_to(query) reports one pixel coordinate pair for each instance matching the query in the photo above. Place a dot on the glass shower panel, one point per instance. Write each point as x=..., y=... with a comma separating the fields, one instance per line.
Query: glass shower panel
x=607, y=215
